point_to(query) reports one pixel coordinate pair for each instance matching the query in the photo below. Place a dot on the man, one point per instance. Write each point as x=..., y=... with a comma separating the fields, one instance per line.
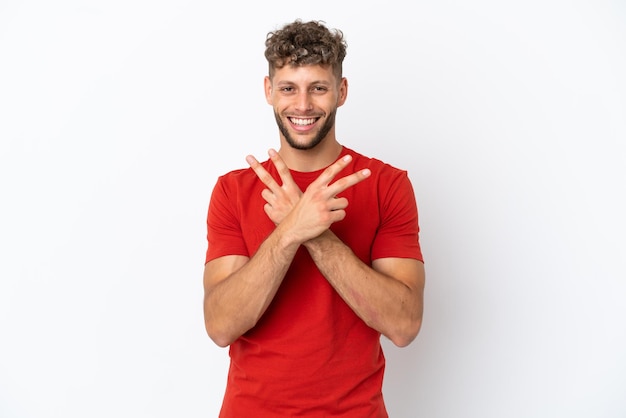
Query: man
x=297, y=282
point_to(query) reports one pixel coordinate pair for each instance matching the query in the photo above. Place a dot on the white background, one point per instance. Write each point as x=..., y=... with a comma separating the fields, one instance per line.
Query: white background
x=116, y=117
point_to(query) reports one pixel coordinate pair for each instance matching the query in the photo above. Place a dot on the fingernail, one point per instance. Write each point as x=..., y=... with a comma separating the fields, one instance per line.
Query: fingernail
x=366, y=172
x=347, y=158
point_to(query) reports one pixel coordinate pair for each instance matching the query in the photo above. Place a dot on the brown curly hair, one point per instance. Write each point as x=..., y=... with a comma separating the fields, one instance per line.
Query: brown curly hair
x=305, y=43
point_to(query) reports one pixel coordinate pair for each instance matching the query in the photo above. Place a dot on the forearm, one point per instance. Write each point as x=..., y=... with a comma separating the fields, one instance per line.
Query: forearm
x=234, y=304
x=387, y=304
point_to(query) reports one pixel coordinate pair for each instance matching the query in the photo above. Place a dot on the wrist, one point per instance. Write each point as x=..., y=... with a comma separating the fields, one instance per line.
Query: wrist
x=321, y=242
x=286, y=239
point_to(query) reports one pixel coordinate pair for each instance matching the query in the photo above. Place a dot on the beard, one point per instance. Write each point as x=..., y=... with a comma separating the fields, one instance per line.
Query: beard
x=319, y=136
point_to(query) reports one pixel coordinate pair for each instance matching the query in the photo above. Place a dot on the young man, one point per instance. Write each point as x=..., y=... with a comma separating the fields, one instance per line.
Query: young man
x=312, y=254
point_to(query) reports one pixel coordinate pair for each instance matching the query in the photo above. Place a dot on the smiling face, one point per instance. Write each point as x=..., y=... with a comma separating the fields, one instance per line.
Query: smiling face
x=305, y=99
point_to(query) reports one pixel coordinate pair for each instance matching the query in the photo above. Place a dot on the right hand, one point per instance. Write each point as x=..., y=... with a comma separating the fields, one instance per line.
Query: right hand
x=305, y=216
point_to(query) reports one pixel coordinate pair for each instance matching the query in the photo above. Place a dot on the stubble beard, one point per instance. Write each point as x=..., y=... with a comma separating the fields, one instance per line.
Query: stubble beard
x=317, y=139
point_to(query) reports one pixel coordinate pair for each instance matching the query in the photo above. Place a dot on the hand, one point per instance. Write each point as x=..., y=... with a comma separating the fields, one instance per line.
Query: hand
x=280, y=198
x=306, y=214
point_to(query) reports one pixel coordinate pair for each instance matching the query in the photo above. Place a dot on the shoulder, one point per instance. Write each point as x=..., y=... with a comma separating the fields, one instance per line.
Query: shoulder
x=241, y=177
x=379, y=168
x=235, y=175
x=235, y=185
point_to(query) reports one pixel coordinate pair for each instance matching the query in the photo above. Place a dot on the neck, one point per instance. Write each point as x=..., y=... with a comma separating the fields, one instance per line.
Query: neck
x=323, y=155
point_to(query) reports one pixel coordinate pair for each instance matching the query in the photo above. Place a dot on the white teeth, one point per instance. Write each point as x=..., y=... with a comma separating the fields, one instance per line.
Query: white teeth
x=302, y=122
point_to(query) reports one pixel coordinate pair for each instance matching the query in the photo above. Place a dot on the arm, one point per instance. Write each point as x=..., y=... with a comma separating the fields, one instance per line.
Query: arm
x=387, y=297
x=239, y=289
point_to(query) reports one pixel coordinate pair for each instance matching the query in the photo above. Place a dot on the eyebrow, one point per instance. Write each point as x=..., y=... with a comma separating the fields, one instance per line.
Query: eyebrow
x=289, y=82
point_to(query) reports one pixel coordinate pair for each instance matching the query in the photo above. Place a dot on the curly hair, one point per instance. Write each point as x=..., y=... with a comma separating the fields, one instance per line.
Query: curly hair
x=305, y=43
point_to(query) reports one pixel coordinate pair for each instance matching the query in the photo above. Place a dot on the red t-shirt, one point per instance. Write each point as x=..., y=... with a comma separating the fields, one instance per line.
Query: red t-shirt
x=310, y=355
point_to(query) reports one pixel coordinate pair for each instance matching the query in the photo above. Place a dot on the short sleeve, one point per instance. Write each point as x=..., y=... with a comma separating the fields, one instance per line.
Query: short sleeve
x=398, y=234
x=224, y=234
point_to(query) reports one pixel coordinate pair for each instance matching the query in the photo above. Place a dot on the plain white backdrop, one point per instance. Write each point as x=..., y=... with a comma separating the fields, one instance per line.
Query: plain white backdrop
x=116, y=117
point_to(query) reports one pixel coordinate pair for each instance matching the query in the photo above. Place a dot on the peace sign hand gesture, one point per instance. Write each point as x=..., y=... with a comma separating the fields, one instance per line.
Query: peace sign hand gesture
x=304, y=216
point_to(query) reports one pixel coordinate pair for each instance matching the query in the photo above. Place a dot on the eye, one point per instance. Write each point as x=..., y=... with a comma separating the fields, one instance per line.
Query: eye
x=287, y=89
x=320, y=89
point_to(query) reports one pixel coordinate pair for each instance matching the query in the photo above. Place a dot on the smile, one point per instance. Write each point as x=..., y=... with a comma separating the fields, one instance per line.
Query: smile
x=302, y=122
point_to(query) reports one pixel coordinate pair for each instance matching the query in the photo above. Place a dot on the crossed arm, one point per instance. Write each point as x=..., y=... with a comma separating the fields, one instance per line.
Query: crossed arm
x=388, y=296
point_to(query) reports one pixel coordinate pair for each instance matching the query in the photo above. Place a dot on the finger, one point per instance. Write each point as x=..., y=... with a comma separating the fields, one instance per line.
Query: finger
x=338, y=204
x=268, y=196
x=338, y=215
x=348, y=181
x=331, y=171
x=282, y=169
x=262, y=173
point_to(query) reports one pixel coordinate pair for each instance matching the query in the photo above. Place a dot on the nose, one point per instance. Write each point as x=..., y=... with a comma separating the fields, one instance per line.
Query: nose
x=303, y=102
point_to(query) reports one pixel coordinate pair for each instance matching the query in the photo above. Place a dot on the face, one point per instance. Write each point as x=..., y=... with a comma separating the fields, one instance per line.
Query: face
x=305, y=100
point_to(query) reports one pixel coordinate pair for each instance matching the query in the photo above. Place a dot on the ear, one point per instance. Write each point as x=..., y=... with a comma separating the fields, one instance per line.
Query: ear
x=343, y=91
x=267, y=85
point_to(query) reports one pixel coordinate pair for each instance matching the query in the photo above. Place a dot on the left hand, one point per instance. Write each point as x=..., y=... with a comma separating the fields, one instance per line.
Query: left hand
x=282, y=199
